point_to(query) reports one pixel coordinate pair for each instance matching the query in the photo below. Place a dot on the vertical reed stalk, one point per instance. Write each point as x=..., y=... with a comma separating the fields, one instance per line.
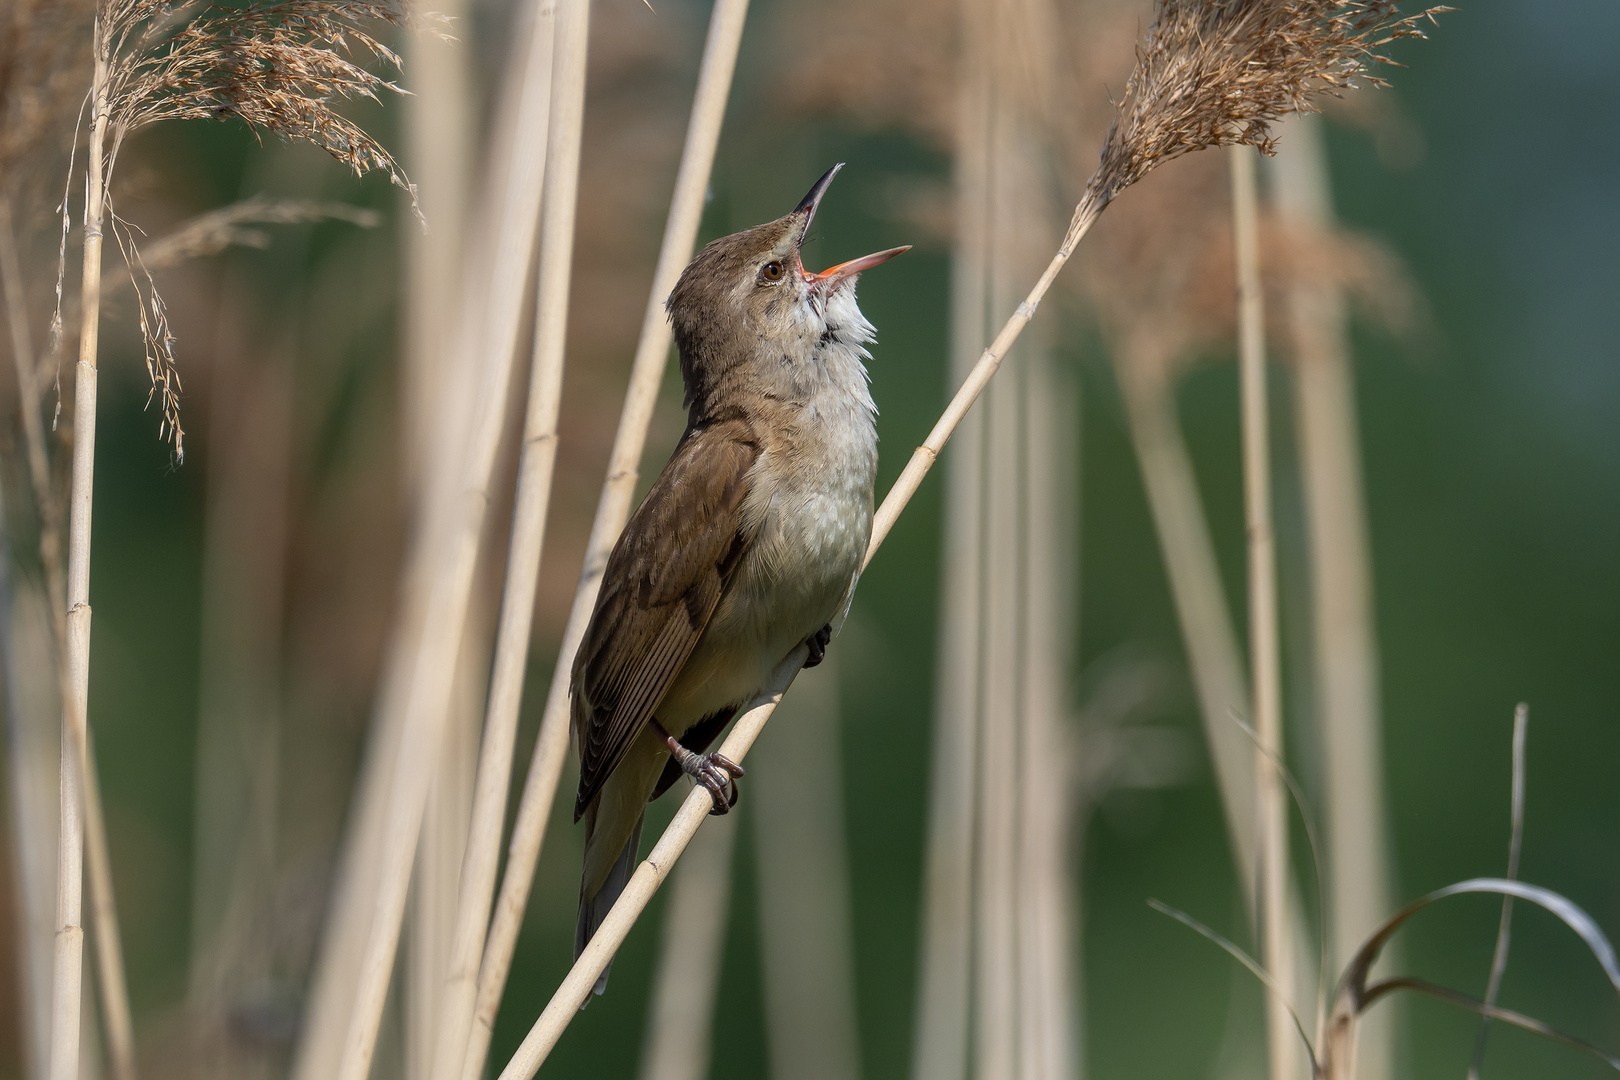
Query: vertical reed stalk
x=613, y=509
x=439, y=129
x=69, y=965
x=680, y=1020
x=940, y=1042
x=447, y=607
x=104, y=908
x=1275, y=933
x=996, y=914
x=535, y=469
x=1343, y=635
x=488, y=322
x=797, y=811
x=1051, y=755
x=439, y=146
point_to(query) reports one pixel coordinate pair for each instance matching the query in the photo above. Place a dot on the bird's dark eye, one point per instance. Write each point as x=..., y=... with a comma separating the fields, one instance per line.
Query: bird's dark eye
x=771, y=271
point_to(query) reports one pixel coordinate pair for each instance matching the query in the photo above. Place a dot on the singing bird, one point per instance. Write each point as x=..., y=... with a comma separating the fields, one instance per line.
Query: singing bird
x=748, y=545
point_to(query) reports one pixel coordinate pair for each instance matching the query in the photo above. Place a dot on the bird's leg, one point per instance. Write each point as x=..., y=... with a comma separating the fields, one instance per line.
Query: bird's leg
x=717, y=773
x=818, y=646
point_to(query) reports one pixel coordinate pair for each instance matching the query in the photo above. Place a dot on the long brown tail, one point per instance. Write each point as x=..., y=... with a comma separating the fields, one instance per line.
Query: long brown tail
x=593, y=909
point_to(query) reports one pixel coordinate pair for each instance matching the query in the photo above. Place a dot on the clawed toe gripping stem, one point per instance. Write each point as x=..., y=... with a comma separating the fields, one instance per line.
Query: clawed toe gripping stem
x=716, y=773
x=817, y=644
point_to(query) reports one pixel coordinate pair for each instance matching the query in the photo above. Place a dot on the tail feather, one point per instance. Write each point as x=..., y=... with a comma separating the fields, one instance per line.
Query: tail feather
x=594, y=909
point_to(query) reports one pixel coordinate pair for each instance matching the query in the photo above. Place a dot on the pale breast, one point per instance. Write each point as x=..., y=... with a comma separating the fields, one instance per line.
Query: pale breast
x=809, y=509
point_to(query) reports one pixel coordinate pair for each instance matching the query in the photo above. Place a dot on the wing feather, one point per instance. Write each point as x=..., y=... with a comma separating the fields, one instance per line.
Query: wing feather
x=663, y=581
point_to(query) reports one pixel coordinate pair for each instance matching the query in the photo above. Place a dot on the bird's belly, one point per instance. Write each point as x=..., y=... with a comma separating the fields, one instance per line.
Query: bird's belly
x=796, y=578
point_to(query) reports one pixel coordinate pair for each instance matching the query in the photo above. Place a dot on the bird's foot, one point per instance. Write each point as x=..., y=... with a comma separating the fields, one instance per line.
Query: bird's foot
x=714, y=772
x=818, y=646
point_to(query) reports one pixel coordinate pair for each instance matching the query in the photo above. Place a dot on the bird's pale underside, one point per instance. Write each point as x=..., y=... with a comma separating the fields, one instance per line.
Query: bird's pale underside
x=747, y=546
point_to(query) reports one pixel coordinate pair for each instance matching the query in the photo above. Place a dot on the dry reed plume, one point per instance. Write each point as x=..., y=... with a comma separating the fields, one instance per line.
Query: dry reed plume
x=279, y=67
x=1218, y=72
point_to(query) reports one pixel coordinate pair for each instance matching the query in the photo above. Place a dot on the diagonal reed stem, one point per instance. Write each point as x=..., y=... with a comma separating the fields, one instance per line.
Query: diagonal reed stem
x=1276, y=941
x=613, y=508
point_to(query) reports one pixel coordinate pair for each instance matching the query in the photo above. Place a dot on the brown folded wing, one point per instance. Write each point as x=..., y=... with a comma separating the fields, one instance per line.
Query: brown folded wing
x=663, y=581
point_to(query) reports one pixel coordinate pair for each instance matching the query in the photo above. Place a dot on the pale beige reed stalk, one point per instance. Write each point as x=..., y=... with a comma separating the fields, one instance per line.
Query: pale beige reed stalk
x=1050, y=971
x=440, y=150
x=489, y=305
x=613, y=509
x=1344, y=640
x=1265, y=659
x=795, y=816
x=1023, y=1008
x=944, y=987
x=66, y=981
x=649, y=875
x=104, y=908
x=150, y=64
x=536, y=462
x=446, y=617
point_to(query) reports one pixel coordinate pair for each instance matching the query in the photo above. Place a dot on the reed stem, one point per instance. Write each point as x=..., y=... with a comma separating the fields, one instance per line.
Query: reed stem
x=612, y=510
x=447, y=607
x=440, y=148
x=67, y=982
x=1213, y=653
x=1275, y=933
x=488, y=323
x=944, y=987
x=649, y=875
x=537, y=459
x=1344, y=638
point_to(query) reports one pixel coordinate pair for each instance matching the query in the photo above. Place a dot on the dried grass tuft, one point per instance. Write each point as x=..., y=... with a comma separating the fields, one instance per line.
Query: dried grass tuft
x=278, y=67
x=1221, y=72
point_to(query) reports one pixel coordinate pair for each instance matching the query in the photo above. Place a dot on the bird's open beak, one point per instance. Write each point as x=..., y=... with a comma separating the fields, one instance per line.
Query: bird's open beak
x=830, y=278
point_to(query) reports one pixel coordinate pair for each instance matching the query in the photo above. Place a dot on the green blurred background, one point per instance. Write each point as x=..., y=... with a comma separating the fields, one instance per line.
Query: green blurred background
x=1492, y=468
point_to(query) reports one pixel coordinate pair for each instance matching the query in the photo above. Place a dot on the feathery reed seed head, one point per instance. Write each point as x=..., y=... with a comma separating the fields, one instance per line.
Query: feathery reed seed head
x=1217, y=72
x=279, y=67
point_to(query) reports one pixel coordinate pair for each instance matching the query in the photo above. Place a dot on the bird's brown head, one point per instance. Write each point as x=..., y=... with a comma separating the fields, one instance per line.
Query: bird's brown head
x=748, y=316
